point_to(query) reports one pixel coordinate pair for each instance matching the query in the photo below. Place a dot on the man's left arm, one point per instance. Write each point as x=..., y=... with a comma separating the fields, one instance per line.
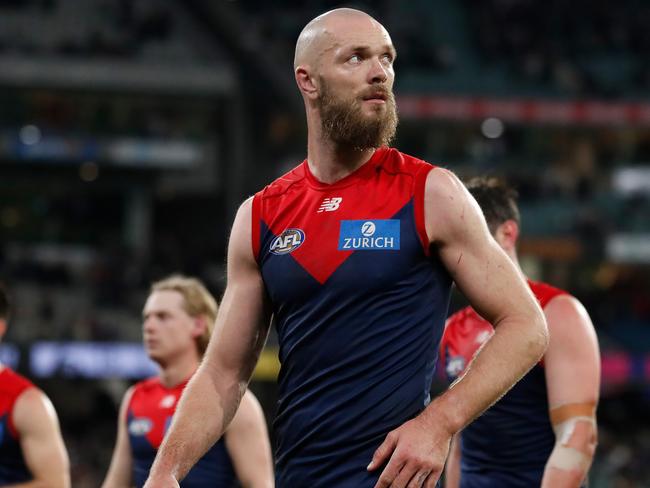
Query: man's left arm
x=40, y=440
x=572, y=365
x=486, y=276
x=247, y=441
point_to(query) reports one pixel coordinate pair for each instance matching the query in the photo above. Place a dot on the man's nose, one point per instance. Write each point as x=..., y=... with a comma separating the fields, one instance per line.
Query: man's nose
x=378, y=72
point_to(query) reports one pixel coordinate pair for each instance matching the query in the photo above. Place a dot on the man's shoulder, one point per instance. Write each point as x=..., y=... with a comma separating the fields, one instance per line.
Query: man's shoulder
x=398, y=162
x=545, y=292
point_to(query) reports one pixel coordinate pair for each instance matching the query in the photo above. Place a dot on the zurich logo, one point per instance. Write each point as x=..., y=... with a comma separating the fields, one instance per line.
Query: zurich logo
x=369, y=235
x=140, y=426
x=288, y=241
x=368, y=229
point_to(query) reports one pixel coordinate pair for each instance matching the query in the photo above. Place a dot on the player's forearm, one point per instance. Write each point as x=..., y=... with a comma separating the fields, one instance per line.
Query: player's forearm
x=567, y=466
x=560, y=478
x=205, y=409
x=452, y=467
x=117, y=478
x=516, y=346
x=575, y=446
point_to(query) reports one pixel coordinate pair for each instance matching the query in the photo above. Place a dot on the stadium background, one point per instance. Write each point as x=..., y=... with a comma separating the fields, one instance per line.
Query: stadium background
x=130, y=132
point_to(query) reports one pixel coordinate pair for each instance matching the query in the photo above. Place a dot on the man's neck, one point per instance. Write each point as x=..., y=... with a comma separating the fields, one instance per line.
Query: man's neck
x=330, y=163
x=178, y=370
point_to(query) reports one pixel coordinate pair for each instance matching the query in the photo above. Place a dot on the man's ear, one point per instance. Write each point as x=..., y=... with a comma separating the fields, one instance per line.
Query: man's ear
x=307, y=83
x=200, y=326
x=507, y=235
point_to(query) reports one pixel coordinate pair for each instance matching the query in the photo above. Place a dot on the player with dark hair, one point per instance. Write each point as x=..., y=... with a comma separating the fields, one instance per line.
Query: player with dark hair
x=178, y=318
x=32, y=452
x=543, y=431
x=352, y=253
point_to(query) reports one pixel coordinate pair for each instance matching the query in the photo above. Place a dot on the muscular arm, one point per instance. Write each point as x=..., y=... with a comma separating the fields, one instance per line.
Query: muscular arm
x=496, y=290
x=212, y=396
x=119, y=472
x=572, y=364
x=482, y=271
x=40, y=440
x=247, y=441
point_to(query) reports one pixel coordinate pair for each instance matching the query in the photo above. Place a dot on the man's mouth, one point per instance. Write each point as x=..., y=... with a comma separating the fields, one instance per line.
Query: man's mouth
x=376, y=96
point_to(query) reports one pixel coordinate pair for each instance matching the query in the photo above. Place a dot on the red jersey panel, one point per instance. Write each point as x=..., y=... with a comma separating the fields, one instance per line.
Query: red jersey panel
x=299, y=200
x=12, y=463
x=148, y=417
x=466, y=331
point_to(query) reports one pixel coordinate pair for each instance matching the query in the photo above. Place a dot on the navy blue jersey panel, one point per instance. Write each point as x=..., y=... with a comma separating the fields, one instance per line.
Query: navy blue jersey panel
x=357, y=355
x=515, y=434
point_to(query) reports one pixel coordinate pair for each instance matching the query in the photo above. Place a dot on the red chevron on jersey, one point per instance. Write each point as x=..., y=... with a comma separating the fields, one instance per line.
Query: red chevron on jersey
x=151, y=408
x=466, y=331
x=305, y=215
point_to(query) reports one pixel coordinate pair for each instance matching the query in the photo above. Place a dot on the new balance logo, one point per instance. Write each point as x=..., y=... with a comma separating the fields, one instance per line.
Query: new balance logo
x=330, y=204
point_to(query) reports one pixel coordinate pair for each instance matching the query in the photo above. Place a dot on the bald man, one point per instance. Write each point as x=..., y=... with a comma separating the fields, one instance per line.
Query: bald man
x=352, y=254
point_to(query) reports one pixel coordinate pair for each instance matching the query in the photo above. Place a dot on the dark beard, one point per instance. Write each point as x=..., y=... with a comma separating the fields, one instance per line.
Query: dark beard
x=344, y=124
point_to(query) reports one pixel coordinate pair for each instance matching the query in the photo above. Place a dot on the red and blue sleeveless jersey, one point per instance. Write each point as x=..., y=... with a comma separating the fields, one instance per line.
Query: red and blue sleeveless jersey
x=359, y=306
x=149, y=415
x=12, y=463
x=510, y=443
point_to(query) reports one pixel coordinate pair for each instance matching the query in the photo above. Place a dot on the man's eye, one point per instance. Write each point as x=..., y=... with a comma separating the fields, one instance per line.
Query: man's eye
x=355, y=58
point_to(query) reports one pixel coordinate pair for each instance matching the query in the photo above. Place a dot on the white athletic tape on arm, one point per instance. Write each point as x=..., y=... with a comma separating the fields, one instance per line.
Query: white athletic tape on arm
x=569, y=459
x=563, y=456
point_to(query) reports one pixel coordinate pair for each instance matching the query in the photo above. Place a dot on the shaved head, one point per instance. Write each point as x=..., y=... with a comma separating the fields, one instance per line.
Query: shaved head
x=323, y=32
x=344, y=69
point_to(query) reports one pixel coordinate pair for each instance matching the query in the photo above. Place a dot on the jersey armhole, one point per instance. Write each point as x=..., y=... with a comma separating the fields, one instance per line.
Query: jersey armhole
x=418, y=203
x=255, y=226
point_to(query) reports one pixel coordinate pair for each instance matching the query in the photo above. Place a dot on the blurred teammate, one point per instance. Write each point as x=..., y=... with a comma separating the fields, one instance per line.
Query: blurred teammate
x=352, y=253
x=543, y=431
x=32, y=453
x=178, y=318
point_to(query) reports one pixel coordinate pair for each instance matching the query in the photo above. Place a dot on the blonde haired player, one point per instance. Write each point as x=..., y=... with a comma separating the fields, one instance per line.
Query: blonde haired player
x=543, y=431
x=178, y=318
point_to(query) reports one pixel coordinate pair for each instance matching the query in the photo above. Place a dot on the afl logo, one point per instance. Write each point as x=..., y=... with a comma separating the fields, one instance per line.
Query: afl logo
x=368, y=229
x=140, y=426
x=288, y=241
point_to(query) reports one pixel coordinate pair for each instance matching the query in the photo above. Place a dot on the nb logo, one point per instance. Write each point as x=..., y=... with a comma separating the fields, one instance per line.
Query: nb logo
x=167, y=401
x=330, y=204
x=455, y=366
